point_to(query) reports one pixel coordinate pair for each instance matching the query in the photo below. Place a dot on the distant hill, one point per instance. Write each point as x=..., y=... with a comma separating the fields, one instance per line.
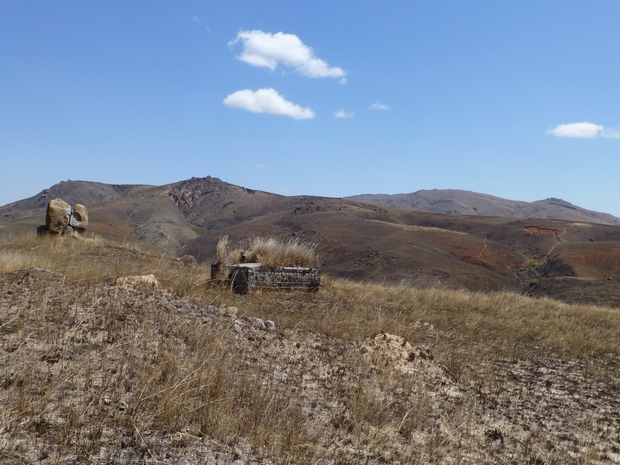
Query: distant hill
x=576, y=260
x=460, y=202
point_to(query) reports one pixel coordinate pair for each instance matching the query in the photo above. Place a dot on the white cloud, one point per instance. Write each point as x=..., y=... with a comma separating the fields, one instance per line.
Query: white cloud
x=584, y=129
x=268, y=50
x=261, y=166
x=379, y=106
x=266, y=101
x=344, y=114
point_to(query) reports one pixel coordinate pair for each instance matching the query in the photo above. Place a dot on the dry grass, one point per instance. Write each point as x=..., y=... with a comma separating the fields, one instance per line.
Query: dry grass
x=86, y=364
x=467, y=325
x=270, y=253
x=501, y=323
x=89, y=366
x=223, y=256
x=94, y=260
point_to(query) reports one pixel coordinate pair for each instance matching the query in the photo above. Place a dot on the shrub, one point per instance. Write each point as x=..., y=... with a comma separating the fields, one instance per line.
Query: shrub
x=270, y=253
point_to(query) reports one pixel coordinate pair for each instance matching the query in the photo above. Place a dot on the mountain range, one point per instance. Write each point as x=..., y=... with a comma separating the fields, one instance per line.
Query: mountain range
x=484, y=244
x=460, y=202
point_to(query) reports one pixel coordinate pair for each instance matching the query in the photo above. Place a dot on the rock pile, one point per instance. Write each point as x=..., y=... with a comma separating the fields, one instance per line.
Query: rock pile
x=60, y=219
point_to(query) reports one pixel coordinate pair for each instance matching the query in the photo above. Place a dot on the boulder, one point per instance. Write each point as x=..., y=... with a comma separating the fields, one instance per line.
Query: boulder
x=60, y=218
x=79, y=219
x=57, y=217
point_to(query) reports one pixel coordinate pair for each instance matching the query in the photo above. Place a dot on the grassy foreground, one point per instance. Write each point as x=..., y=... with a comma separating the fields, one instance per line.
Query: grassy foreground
x=501, y=324
x=89, y=367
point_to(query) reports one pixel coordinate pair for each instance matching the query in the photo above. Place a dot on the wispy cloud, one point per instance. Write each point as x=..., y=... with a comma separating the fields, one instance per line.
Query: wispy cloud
x=611, y=133
x=344, y=114
x=584, y=130
x=201, y=20
x=379, y=106
x=268, y=50
x=266, y=101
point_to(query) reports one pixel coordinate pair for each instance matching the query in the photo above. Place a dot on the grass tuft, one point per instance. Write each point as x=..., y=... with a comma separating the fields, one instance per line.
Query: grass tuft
x=270, y=253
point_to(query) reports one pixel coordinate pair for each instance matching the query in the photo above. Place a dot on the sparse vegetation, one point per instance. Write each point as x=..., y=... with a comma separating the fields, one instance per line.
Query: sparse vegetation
x=93, y=372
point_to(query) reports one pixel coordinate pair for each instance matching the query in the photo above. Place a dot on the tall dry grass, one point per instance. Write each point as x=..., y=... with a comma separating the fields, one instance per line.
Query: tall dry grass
x=94, y=260
x=269, y=252
x=498, y=323
x=86, y=364
x=460, y=326
x=92, y=367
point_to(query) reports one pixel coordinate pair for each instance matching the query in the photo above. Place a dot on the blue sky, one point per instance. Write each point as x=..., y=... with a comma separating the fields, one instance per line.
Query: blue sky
x=514, y=99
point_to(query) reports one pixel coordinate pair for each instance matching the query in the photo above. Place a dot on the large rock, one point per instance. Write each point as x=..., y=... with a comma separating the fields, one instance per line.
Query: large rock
x=60, y=218
x=57, y=216
x=79, y=219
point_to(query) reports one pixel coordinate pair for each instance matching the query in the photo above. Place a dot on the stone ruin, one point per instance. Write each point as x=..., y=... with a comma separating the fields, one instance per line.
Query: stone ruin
x=61, y=219
x=249, y=277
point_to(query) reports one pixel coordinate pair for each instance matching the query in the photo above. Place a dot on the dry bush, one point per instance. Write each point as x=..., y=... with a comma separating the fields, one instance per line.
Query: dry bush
x=223, y=256
x=237, y=256
x=270, y=253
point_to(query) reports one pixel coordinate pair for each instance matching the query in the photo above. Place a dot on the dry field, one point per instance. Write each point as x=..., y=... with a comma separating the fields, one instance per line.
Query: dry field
x=180, y=370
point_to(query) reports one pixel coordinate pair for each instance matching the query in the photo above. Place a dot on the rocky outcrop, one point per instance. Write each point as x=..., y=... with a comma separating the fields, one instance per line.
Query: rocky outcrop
x=60, y=219
x=80, y=217
x=57, y=216
x=186, y=194
x=542, y=231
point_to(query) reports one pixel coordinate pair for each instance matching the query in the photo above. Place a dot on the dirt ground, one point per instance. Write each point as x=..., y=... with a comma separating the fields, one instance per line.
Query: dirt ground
x=72, y=389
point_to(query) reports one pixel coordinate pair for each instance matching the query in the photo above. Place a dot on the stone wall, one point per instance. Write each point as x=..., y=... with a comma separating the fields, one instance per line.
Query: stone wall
x=249, y=277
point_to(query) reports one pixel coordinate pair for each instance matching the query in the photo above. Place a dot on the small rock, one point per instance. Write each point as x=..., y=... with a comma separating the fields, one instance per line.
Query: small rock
x=148, y=280
x=232, y=311
x=258, y=323
x=238, y=326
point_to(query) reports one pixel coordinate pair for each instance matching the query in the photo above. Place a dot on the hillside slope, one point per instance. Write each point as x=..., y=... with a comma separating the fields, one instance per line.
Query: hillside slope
x=179, y=369
x=356, y=240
